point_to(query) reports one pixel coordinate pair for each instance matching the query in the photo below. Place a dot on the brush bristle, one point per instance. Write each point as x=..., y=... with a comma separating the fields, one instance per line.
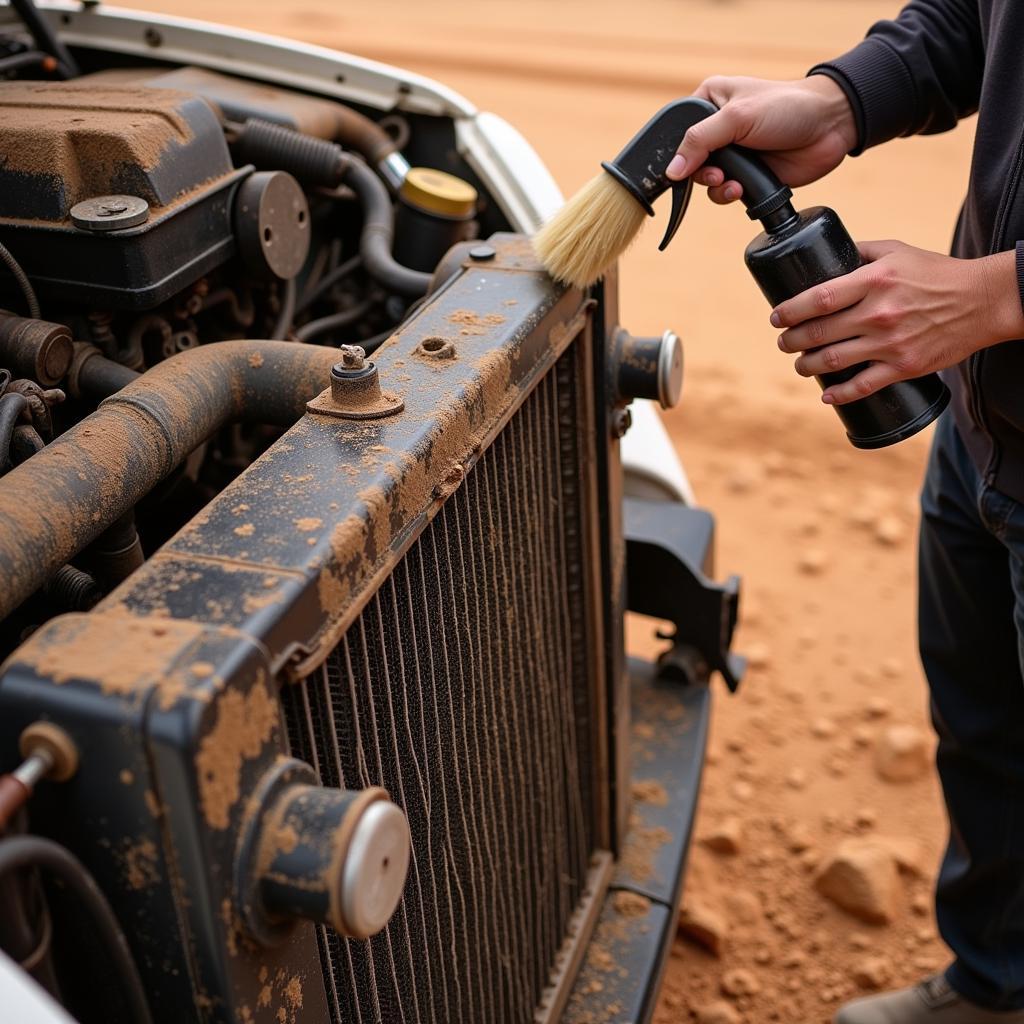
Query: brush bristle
x=589, y=233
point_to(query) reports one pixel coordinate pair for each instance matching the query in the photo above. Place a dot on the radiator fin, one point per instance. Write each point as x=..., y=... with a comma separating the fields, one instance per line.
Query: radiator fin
x=463, y=688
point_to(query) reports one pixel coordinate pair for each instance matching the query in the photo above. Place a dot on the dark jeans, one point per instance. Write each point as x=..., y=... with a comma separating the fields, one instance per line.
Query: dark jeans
x=971, y=625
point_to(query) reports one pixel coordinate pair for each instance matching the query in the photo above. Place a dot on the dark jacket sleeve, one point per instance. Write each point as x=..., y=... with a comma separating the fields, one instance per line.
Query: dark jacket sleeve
x=917, y=74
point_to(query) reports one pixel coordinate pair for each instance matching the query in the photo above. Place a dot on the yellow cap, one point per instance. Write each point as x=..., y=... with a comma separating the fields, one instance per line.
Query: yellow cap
x=439, y=192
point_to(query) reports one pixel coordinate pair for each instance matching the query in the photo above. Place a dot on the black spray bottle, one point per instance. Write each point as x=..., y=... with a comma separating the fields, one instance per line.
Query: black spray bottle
x=794, y=252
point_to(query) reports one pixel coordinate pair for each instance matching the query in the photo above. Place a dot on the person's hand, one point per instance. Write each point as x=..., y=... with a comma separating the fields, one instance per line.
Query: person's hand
x=803, y=128
x=906, y=312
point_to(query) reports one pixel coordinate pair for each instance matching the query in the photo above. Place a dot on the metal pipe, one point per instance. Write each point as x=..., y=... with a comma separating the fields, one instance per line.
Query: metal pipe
x=61, y=499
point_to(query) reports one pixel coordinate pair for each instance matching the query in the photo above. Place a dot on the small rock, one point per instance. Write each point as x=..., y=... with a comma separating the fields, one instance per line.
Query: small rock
x=794, y=959
x=866, y=817
x=810, y=859
x=812, y=561
x=862, y=736
x=829, y=501
x=798, y=838
x=910, y=855
x=703, y=924
x=859, y=940
x=746, y=476
x=861, y=877
x=877, y=707
x=726, y=837
x=921, y=905
x=872, y=972
x=902, y=754
x=739, y=982
x=892, y=668
x=823, y=728
x=763, y=955
x=744, y=907
x=758, y=656
x=796, y=778
x=719, y=1012
x=742, y=791
x=889, y=530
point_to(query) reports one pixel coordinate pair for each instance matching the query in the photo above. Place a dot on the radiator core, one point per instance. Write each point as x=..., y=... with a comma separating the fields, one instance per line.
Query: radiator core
x=465, y=688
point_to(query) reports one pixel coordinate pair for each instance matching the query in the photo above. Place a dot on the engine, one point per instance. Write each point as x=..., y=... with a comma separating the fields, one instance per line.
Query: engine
x=156, y=211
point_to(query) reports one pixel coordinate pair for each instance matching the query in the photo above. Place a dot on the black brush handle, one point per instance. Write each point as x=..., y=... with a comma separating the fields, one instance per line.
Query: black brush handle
x=641, y=165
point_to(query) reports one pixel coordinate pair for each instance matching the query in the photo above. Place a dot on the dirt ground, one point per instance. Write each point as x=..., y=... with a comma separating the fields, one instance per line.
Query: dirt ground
x=823, y=534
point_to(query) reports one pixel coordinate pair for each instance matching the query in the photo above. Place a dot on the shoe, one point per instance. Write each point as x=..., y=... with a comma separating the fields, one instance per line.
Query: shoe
x=932, y=1002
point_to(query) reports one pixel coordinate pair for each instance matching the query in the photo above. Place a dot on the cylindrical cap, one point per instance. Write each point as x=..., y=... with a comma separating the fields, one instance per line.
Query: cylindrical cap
x=439, y=192
x=331, y=855
x=376, y=864
x=649, y=368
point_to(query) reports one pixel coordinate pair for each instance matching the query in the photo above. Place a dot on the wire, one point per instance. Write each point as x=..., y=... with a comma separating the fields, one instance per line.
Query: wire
x=287, y=314
x=44, y=36
x=20, y=852
x=333, y=322
x=27, y=59
x=23, y=282
x=329, y=280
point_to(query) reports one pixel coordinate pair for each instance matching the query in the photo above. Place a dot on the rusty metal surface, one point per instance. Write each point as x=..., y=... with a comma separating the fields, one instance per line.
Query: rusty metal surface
x=290, y=549
x=262, y=584
x=55, y=503
x=175, y=724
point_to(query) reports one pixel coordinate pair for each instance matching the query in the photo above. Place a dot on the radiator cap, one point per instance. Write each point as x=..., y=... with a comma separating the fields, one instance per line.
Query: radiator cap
x=339, y=857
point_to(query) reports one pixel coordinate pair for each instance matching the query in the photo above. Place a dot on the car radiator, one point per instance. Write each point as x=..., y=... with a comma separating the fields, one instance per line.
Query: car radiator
x=463, y=688
x=428, y=592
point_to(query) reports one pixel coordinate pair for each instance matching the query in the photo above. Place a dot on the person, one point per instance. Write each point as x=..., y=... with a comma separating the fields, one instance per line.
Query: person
x=907, y=312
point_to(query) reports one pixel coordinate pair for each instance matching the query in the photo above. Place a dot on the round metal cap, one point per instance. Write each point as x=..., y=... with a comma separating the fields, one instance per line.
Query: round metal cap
x=439, y=192
x=109, y=213
x=670, y=370
x=376, y=865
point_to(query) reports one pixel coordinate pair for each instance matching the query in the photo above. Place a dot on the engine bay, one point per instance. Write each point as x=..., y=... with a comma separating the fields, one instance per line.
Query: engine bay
x=149, y=211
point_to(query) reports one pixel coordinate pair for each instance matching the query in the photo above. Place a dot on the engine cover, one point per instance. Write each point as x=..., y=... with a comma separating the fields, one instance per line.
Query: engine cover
x=64, y=143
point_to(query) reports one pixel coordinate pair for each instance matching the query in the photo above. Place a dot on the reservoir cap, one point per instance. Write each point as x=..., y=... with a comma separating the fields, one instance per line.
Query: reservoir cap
x=439, y=192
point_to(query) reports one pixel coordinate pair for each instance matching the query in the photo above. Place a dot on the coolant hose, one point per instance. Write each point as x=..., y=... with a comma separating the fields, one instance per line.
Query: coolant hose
x=65, y=496
x=379, y=232
x=316, y=162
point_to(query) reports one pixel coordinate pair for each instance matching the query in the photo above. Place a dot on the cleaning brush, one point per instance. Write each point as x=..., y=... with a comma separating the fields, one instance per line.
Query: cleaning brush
x=794, y=251
x=596, y=226
x=590, y=232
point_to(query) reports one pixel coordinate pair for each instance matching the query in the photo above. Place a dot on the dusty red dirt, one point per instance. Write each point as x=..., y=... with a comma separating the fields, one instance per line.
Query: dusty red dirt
x=823, y=535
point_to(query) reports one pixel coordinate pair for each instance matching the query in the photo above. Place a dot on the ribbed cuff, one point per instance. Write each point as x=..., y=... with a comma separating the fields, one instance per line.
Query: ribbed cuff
x=1020, y=272
x=880, y=88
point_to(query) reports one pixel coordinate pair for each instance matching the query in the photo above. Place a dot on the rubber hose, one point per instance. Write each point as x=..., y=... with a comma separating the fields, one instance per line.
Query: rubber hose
x=12, y=405
x=378, y=233
x=317, y=162
x=22, y=852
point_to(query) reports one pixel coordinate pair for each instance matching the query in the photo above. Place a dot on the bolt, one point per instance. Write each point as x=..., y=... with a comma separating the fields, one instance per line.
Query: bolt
x=353, y=357
x=622, y=420
x=482, y=253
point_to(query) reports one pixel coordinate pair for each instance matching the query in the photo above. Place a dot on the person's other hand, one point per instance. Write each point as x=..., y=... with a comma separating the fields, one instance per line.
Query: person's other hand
x=906, y=312
x=803, y=128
